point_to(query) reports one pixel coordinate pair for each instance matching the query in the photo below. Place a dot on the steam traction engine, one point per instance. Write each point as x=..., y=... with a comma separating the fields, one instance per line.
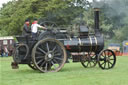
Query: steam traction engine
x=50, y=51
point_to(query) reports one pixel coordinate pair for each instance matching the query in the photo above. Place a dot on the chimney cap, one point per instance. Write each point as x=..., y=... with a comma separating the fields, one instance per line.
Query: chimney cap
x=96, y=9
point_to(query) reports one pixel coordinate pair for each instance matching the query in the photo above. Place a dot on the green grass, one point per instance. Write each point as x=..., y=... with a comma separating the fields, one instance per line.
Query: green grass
x=71, y=74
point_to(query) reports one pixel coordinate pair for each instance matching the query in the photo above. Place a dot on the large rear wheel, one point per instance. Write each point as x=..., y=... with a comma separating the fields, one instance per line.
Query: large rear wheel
x=49, y=55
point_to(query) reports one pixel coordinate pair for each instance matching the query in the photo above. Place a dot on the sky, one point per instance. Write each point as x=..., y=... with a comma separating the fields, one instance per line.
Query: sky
x=5, y=1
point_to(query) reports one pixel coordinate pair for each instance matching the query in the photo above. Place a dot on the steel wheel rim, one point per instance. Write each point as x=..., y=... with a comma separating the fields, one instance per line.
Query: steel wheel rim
x=31, y=65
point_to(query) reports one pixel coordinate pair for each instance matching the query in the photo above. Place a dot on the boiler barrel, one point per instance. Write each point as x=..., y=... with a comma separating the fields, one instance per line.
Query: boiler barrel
x=87, y=44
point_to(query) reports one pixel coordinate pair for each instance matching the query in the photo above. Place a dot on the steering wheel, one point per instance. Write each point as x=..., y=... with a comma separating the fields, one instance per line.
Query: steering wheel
x=49, y=25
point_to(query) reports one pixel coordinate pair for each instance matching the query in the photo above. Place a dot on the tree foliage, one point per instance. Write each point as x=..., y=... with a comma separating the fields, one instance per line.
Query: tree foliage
x=13, y=14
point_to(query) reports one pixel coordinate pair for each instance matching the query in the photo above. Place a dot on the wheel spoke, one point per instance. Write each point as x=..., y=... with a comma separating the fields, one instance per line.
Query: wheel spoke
x=57, y=54
x=38, y=53
x=49, y=63
x=102, y=59
x=104, y=64
x=47, y=47
x=46, y=67
x=42, y=63
x=54, y=49
x=53, y=64
x=39, y=61
x=41, y=50
x=110, y=62
x=52, y=25
x=58, y=58
x=55, y=61
x=111, y=59
x=39, y=57
x=109, y=55
x=87, y=64
x=108, y=65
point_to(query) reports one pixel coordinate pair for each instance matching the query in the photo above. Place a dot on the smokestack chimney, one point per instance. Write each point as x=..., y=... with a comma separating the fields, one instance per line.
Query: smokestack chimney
x=96, y=20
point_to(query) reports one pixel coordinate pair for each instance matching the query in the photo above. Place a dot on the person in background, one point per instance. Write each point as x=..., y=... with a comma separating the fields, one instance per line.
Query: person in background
x=6, y=51
x=34, y=28
x=2, y=52
x=26, y=28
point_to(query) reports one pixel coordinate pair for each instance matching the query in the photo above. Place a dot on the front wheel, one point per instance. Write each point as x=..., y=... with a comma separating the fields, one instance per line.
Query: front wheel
x=106, y=59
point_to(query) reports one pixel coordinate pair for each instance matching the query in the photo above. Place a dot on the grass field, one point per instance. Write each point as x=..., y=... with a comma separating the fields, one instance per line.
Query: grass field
x=71, y=74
